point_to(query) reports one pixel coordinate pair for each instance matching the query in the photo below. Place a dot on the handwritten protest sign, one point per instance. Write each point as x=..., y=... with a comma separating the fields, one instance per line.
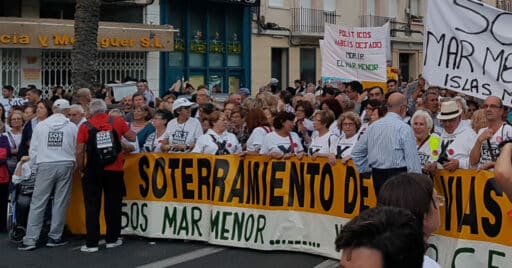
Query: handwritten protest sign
x=467, y=47
x=355, y=53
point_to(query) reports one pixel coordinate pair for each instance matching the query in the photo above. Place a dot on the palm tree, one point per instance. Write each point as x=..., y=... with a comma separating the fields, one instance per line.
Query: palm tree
x=85, y=50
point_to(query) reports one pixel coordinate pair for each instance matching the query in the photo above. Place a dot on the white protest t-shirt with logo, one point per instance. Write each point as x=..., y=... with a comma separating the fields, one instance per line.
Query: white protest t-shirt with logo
x=211, y=143
x=457, y=145
x=343, y=146
x=12, y=102
x=274, y=143
x=425, y=151
x=153, y=143
x=321, y=144
x=186, y=133
x=487, y=154
x=256, y=139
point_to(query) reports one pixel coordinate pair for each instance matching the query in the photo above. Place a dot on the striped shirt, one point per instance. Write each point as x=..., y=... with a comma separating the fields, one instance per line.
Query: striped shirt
x=388, y=143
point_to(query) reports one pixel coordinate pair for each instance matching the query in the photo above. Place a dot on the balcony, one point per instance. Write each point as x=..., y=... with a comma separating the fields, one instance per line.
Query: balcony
x=310, y=22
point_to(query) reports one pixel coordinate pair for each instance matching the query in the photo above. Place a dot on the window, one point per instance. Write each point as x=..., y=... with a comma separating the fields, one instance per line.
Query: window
x=305, y=3
x=279, y=66
x=10, y=8
x=414, y=7
x=308, y=64
x=329, y=5
x=276, y=3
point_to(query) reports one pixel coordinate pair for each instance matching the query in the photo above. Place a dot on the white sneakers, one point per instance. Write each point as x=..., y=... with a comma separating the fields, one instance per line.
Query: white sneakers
x=115, y=244
x=87, y=249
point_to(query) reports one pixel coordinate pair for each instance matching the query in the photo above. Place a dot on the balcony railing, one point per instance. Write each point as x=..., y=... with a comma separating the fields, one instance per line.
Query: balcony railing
x=308, y=20
x=374, y=21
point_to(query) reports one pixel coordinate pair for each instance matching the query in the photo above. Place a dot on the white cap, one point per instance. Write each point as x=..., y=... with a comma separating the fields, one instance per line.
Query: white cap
x=181, y=102
x=61, y=103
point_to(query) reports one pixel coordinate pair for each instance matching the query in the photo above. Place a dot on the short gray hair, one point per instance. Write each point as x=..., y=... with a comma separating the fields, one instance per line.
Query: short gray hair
x=97, y=106
x=77, y=107
x=428, y=119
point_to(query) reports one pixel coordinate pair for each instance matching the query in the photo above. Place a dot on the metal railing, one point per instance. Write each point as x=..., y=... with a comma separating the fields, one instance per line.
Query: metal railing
x=309, y=20
x=374, y=21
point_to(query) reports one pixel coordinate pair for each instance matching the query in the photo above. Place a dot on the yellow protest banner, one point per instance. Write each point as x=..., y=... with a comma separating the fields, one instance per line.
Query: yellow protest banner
x=266, y=204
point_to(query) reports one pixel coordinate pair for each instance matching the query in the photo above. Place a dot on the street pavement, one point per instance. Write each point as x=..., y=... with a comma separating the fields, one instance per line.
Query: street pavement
x=151, y=253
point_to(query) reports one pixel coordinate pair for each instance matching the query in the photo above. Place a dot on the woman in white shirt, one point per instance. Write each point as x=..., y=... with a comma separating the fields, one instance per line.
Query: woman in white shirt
x=257, y=123
x=282, y=143
x=349, y=123
x=322, y=138
x=217, y=141
x=155, y=140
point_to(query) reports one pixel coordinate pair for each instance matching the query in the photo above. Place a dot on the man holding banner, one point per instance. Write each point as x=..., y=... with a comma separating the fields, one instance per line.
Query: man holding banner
x=388, y=147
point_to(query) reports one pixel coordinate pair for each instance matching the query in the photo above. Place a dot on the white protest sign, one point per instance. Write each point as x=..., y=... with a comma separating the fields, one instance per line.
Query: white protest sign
x=355, y=53
x=122, y=90
x=467, y=48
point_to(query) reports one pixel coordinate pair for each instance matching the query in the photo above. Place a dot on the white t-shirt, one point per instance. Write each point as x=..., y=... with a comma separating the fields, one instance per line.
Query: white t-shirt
x=210, y=142
x=486, y=153
x=186, y=133
x=430, y=263
x=256, y=139
x=343, y=147
x=273, y=143
x=321, y=144
x=334, y=129
x=457, y=145
x=153, y=143
x=9, y=103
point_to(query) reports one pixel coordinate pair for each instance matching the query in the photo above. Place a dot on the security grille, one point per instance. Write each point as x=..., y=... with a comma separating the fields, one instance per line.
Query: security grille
x=56, y=68
x=10, y=73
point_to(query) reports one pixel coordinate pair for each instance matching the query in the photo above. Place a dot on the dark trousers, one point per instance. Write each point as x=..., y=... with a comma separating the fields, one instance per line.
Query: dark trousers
x=380, y=176
x=4, y=197
x=111, y=183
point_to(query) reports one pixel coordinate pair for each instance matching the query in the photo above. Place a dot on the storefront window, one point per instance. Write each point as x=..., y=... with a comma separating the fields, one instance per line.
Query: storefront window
x=197, y=39
x=196, y=80
x=234, y=44
x=234, y=84
x=217, y=46
x=215, y=83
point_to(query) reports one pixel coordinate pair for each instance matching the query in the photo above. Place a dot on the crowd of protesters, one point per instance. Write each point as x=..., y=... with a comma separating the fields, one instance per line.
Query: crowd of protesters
x=406, y=127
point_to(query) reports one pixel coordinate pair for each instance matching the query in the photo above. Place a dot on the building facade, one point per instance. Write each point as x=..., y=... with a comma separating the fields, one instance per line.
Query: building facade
x=36, y=37
x=286, y=33
x=212, y=43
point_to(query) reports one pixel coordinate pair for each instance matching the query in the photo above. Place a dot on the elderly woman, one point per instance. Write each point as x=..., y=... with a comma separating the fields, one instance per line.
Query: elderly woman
x=183, y=130
x=415, y=192
x=154, y=141
x=426, y=141
x=322, y=138
x=282, y=143
x=349, y=123
x=217, y=141
x=259, y=127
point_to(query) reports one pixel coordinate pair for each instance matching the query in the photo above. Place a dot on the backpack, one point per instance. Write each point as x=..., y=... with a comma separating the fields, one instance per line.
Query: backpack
x=103, y=146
